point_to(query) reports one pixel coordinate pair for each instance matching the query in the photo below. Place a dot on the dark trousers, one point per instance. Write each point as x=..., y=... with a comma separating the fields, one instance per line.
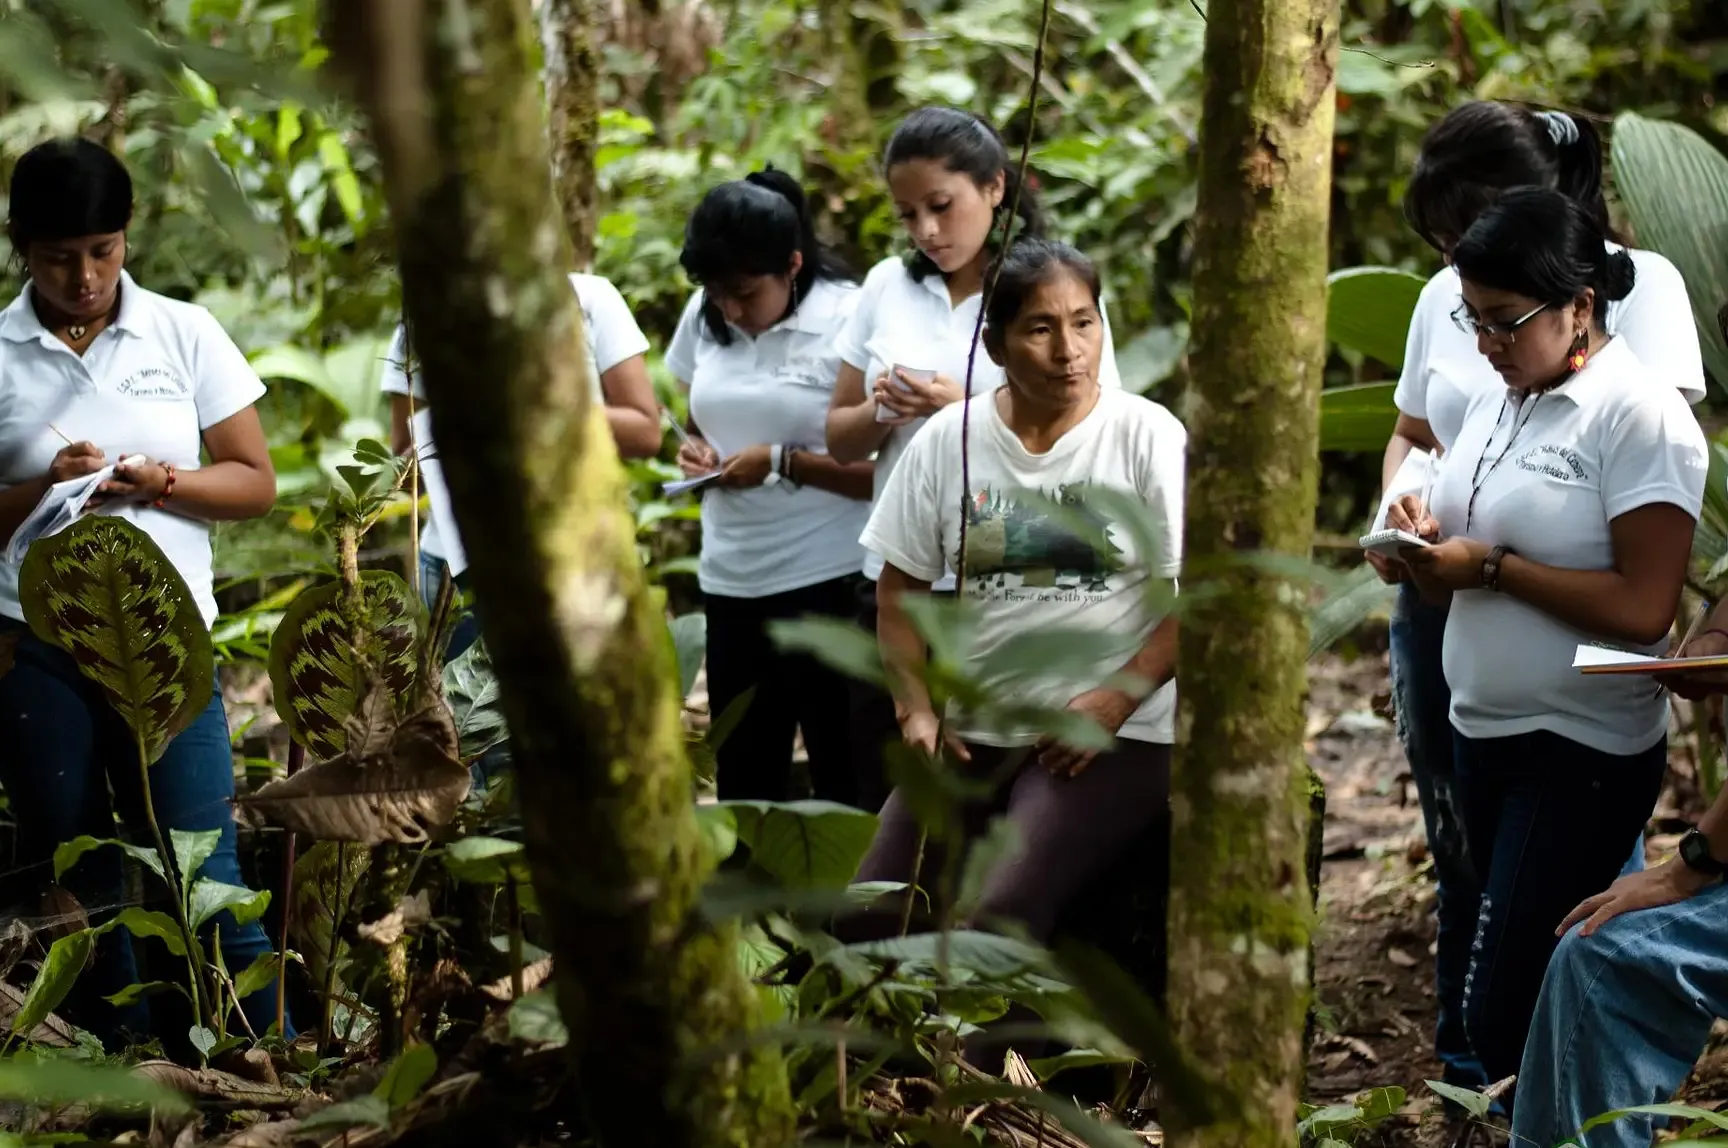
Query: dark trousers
x=62, y=747
x=789, y=692
x=1549, y=822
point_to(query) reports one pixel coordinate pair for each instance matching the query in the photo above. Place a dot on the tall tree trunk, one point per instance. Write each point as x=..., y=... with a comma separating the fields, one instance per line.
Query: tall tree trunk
x=576, y=635
x=1240, y=904
x=572, y=69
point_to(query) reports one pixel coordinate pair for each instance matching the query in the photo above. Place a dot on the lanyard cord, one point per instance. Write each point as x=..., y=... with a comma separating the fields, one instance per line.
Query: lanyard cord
x=1477, y=478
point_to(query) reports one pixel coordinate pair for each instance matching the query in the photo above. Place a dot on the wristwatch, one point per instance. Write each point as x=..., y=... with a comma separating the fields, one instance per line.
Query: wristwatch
x=1491, y=568
x=1695, y=852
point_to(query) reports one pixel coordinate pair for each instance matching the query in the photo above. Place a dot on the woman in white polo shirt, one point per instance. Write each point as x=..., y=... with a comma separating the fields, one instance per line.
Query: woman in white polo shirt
x=1565, y=516
x=952, y=181
x=1469, y=158
x=780, y=521
x=620, y=360
x=1050, y=428
x=86, y=352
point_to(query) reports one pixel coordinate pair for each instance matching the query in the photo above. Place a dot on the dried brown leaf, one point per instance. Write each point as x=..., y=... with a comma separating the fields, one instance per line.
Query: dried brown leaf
x=533, y=976
x=52, y=1032
x=410, y=913
x=398, y=779
x=214, y=1084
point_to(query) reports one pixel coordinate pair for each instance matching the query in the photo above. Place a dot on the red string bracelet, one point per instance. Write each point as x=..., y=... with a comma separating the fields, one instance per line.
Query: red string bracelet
x=167, y=487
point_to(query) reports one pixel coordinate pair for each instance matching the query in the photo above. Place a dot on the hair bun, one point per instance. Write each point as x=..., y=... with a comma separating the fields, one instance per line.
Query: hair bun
x=780, y=183
x=1620, y=276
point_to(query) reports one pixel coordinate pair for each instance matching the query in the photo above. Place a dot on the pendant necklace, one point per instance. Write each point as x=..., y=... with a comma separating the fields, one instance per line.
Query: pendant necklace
x=78, y=332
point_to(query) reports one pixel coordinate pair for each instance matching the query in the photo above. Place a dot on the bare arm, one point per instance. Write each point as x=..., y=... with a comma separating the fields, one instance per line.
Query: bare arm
x=903, y=651
x=631, y=409
x=1407, y=435
x=847, y=479
x=853, y=431
x=401, y=438
x=240, y=481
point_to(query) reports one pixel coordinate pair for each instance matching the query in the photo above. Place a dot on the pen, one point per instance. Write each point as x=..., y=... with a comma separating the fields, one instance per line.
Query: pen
x=1428, y=485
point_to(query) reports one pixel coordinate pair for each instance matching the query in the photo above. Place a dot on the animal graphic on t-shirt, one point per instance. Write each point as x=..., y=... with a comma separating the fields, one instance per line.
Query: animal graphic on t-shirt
x=1011, y=545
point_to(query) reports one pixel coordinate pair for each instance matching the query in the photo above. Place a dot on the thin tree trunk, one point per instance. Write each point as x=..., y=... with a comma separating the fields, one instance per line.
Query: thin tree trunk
x=577, y=639
x=572, y=69
x=1240, y=901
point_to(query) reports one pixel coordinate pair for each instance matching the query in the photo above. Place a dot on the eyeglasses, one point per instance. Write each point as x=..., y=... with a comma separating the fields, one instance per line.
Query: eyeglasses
x=1470, y=325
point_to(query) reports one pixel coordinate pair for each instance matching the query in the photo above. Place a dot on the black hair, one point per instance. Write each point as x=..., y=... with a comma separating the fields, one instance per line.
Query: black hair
x=66, y=189
x=1544, y=245
x=1485, y=148
x=753, y=226
x=967, y=145
x=1027, y=265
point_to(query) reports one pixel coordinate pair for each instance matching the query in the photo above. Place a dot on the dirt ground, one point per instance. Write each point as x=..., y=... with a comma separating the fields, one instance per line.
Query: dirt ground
x=1375, y=945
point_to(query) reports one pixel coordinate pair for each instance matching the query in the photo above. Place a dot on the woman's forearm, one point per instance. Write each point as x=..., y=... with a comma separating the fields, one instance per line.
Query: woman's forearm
x=903, y=651
x=1155, y=662
x=847, y=479
x=222, y=491
x=1603, y=602
x=853, y=432
x=637, y=434
x=1398, y=449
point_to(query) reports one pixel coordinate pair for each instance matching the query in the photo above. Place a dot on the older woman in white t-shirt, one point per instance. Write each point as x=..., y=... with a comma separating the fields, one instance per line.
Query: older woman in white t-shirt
x=1468, y=159
x=1053, y=430
x=88, y=354
x=1564, y=517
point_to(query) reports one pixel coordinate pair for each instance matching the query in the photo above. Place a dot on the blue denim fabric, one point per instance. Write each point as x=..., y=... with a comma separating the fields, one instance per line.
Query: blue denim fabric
x=1623, y=1017
x=61, y=747
x=1423, y=703
x=1548, y=820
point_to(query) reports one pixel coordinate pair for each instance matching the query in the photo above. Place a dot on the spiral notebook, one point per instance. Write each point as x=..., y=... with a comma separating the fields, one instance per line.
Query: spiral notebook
x=1601, y=660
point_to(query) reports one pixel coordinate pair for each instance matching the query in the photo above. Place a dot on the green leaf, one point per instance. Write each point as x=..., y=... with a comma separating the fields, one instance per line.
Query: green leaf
x=202, y=1039
x=535, y=1018
x=312, y=666
x=291, y=362
x=842, y=646
x=1357, y=418
x=1468, y=1099
x=804, y=843
x=360, y=479
x=136, y=992
x=1049, y=1066
x=407, y=1075
x=54, y=1082
x=719, y=827
x=471, y=688
x=363, y=1111
x=342, y=180
x=1678, y=1111
x=191, y=850
x=60, y=968
x=103, y=591
x=1356, y=599
x=258, y=975
x=690, y=640
x=209, y=898
x=487, y=860
x=144, y=923
x=1675, y=188
x=1078, y=1123
x=986, y=955
x=68, y=853
x=1368, y=309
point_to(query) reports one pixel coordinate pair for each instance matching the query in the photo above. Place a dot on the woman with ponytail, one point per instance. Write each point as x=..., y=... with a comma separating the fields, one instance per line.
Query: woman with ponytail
x=1468, y=160
x=1564, y=518
x=906, y=351
x=780, y=517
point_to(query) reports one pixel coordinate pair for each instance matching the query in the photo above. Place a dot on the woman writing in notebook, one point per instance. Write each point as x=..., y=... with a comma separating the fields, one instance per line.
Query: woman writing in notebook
x=1565, y=515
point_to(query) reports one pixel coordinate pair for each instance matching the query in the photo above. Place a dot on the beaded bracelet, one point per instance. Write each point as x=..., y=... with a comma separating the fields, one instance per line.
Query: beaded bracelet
x=167, y=487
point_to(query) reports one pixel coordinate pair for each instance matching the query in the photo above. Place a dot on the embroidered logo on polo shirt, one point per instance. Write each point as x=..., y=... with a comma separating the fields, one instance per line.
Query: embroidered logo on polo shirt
x=153, y=383
x=1559, y=462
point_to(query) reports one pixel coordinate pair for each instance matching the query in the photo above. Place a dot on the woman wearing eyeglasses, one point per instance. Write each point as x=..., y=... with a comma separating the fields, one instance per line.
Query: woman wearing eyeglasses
x=1472, y=156
x=1563, y=517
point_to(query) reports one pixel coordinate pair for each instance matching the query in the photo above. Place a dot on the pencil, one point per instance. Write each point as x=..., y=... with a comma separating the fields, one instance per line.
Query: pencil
x=63, y=435
x=1692, y=630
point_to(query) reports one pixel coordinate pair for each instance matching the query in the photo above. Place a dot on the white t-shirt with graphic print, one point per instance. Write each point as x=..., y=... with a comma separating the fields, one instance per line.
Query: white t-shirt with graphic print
x=151, y=383
x=1607, y=442
x=912, y=323
x=1028, y=571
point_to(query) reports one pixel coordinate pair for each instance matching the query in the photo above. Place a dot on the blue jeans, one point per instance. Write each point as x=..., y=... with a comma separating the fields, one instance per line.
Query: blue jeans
x=1423, y=703
x=1623, y=1017
x=62, y=747
x=1548, y=820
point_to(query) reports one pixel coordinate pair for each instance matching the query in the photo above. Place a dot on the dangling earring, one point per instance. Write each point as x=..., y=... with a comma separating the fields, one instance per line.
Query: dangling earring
x=1580, y=352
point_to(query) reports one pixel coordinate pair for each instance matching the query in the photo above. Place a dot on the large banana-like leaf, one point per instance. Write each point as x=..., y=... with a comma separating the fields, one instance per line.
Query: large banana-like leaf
x=1368, y=310
x=1354, y=600
x=313, y=671
x=1358, y=418
x=1675, y=188
x=104, y=592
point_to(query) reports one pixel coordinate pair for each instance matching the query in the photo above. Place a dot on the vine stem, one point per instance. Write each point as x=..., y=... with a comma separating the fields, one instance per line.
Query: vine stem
x=296, y=758
x=194, y=954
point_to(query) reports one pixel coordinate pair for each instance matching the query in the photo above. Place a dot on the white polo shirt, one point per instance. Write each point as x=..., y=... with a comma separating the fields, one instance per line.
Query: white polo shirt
x=613, y=337
x=774, y=388
x=1607, y=442
x=149, y=384
x=1443, y=370
x=912, y=323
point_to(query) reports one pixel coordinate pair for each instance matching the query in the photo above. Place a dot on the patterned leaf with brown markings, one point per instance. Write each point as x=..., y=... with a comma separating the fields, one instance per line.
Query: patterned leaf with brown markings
x=104, y=592
x=314, y=672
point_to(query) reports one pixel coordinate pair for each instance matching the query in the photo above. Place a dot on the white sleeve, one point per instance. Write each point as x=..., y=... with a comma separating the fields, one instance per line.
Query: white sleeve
x=223, y=382
x=396, y=380
x=612, y=330
x=1656, y=322
x=1163, y=486
x=1411, y=394
x=1108, y=375
x=853, y=335
x=905, y=527
x=681, y=351
x=1655, y=453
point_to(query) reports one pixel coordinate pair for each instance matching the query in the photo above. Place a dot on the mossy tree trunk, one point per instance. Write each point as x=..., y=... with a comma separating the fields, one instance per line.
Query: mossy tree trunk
x=1240, y=901
x=572, y=72
x=576, y=635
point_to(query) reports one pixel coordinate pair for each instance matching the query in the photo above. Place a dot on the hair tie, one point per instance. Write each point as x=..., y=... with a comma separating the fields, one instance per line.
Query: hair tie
x=1562, y=129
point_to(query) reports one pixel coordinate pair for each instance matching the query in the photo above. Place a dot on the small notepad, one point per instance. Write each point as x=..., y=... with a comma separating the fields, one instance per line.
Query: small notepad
x=1601, y=660
x=60, y=508
x=684, y=484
